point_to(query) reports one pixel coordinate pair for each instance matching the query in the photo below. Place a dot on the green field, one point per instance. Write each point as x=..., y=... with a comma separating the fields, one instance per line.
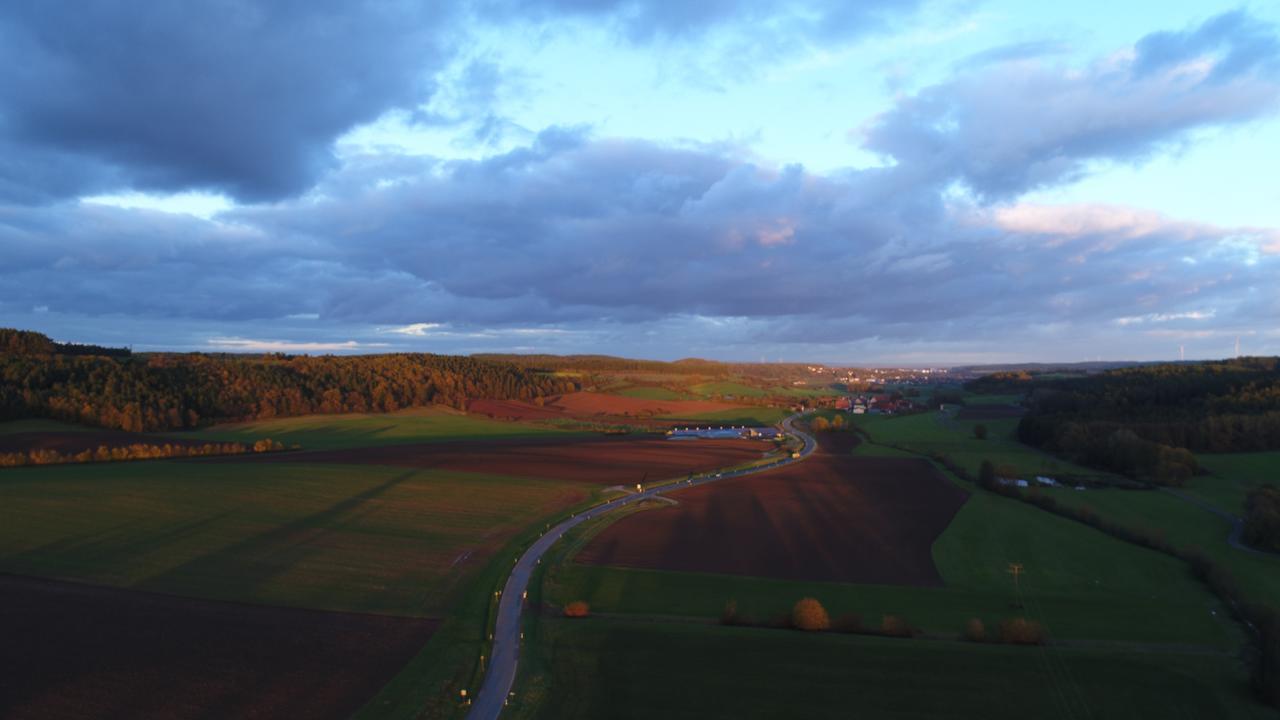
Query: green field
x=636, y=669
x=1079, y=582
x=1185, y=525
x=338, y=537
x=736, y=416
x=1232, y=476
x=323, y=432
x=645, y=392
x=23, y=426
x=725, y=387
x=1133, y=633
x=933, y=432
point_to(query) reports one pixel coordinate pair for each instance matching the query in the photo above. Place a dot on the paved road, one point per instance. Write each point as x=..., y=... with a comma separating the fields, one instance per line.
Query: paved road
x=1237, y=524
x=501, y=673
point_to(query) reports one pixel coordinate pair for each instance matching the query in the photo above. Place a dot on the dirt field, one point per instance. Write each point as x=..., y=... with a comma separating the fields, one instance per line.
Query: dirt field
x=76, y=651
x=73, y=442
x=990, y=412
x=833, y=517
x=604, y=460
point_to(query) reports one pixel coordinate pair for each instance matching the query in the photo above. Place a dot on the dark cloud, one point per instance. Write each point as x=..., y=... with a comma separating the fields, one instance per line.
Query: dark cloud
x=228, y=95
x=574, y=242
x=1008, y=128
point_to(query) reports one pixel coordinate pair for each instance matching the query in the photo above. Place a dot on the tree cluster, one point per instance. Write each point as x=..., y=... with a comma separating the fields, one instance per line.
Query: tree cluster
x=1262, y=518
x=136, y=451
x=1145, y=422
x=170, y=391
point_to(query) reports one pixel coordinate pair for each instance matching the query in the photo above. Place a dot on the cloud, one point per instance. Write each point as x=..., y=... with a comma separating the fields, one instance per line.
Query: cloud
x=234, y=344
x=574, y=242
x=231, y=96
x=649, y=20
x=1014, y=126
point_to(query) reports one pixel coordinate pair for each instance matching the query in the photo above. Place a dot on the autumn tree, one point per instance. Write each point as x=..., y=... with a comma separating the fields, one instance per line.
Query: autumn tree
x=577, y=609
x=1021, y=631
x=975, y=631
x=809, y=614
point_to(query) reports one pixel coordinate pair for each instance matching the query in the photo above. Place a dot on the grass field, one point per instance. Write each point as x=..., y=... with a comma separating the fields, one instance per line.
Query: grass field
x=935, y=432
x=1080, y=583
x=635, y=669
x=1232, y=476
x=1185, y=525
x=737, y=416
x=359, y=538
x=325, y=432
x=646, y=392
x=25, y=426
x=725, y=387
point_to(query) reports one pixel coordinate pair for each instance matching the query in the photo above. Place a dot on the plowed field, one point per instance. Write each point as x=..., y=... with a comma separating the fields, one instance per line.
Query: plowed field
x=76, y=651
x=605, y=460
x=833, y=517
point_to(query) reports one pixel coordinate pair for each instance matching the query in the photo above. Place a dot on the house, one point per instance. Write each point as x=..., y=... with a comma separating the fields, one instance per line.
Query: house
x=843, y=403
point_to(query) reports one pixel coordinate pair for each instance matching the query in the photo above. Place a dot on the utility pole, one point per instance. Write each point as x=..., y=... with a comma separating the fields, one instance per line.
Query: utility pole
x=1015, y=569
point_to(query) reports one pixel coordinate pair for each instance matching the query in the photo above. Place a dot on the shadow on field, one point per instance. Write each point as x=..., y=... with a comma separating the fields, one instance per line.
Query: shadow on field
x=257, y=560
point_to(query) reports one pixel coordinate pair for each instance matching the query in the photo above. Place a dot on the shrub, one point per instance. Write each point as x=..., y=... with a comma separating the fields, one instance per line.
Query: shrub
x=731, y=616
x=1262, y=518
x=1266, y=668
x=577, y=609
x=1021, y=631
x=896, y=626
x=975, y=631
x=808, y=614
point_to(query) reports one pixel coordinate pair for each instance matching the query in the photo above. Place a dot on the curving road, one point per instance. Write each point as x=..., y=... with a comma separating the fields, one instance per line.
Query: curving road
x=501, y=673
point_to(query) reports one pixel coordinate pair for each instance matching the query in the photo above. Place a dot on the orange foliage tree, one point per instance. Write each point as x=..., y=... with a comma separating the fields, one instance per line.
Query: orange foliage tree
x=577, y=609
x=808, y=614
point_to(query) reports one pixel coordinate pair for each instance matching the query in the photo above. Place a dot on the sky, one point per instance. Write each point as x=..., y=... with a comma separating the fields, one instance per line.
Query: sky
x=849, y=182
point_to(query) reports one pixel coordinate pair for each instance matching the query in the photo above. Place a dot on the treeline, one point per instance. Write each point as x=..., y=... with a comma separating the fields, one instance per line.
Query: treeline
x=1144, y=422
x=1262, y=518
x=808, y=614
x=171, y=391
x=136, y=451
x=26, y=342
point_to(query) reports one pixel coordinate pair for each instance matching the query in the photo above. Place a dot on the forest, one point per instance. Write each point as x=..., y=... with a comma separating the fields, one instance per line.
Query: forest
x=166, y=391
x=1147, y=421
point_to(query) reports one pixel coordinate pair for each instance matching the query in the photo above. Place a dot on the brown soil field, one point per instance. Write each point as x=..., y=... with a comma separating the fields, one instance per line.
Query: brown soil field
x=78, y=651
x=514, y=410
x=605, y=460
x=69, y=443
x=990, y=412
x=833, y=517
